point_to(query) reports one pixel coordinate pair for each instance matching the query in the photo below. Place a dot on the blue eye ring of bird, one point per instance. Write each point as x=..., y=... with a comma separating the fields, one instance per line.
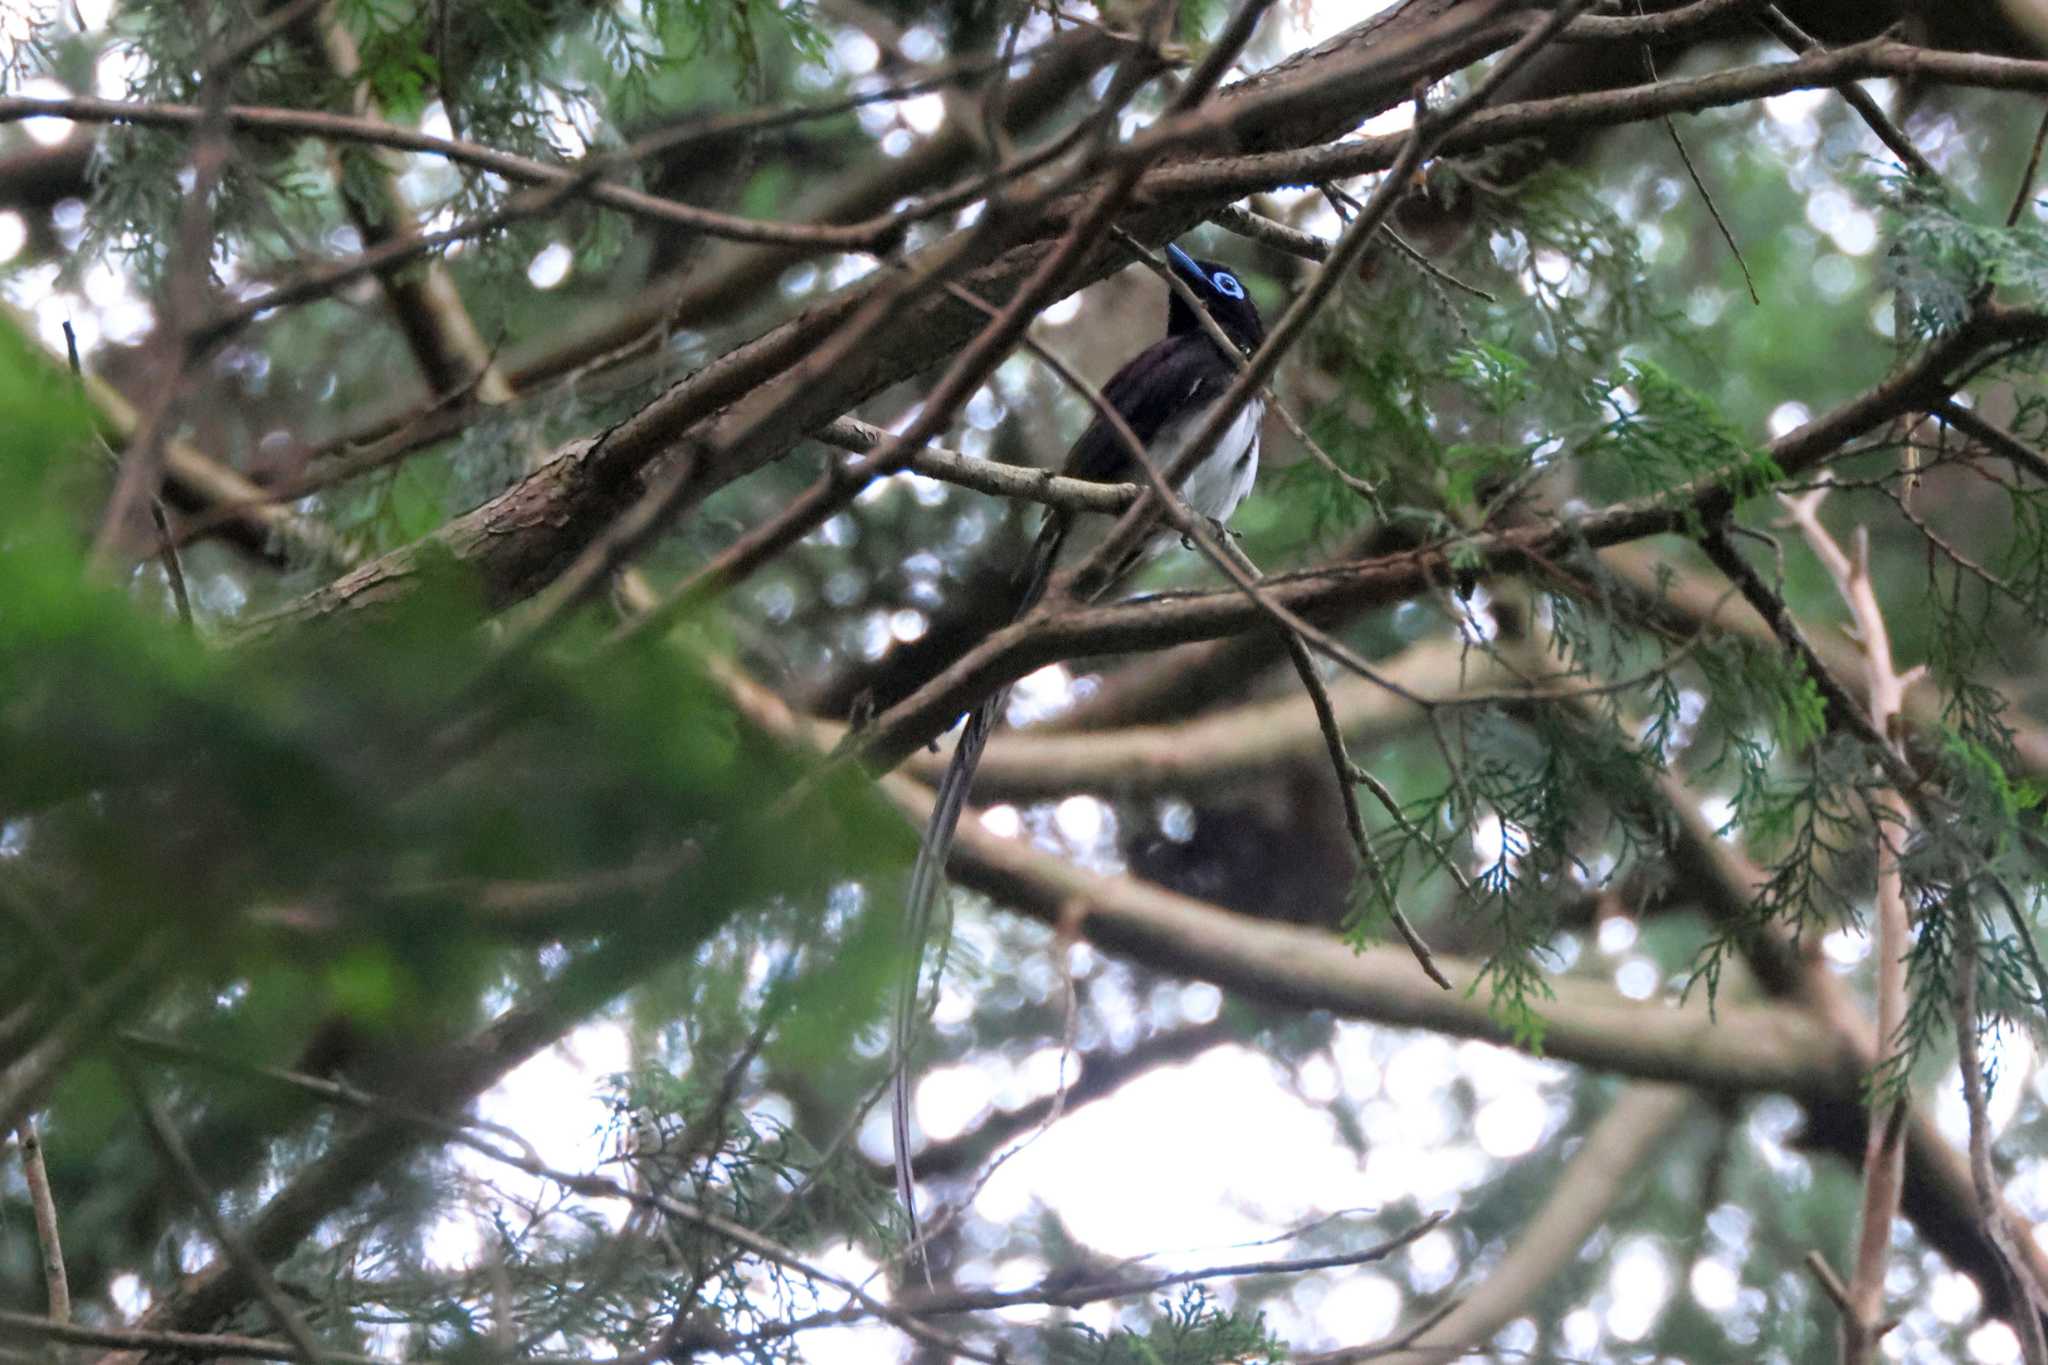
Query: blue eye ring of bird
x=1223, y=282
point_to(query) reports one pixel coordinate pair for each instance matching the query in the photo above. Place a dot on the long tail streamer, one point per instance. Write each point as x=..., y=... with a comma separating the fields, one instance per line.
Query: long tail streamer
x=929, y=874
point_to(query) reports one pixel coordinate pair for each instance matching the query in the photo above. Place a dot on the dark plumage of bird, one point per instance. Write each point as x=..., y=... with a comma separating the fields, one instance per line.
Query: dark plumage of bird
x=1163, y=394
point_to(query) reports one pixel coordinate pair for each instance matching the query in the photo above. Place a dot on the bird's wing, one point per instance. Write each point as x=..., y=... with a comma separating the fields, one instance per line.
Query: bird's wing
x=1174, y=375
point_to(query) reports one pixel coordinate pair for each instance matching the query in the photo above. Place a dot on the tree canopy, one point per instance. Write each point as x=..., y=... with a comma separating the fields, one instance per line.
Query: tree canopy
x=502, y=503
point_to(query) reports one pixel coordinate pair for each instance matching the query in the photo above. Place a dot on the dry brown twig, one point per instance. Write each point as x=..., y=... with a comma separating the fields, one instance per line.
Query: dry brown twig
x=1863, y=1317
x=56, y=1285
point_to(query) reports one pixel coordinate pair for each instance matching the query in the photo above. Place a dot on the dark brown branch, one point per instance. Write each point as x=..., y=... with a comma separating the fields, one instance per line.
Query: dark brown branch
x=2024, y=192
x=1993, y=437
x=1237, y=176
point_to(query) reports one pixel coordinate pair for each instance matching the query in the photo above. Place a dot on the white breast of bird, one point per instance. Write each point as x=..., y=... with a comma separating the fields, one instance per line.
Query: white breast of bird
x=1214, y=489
x=1219, y=483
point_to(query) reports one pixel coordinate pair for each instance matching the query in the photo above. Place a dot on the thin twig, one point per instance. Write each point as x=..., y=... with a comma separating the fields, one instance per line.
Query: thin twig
x=1830, y=1283
x=198, y=1345
x=1024, y=482
x=1855, y=96
x=1864, y=1323
x=1991, y=1212
x=167, y=544
x=185, y=288
x=1432, y=269
x=1349, y=776
x=1693, y=174
x=2025, y=190
x=56, y=1285
x=1993, y=437
x=1074, y=1296
x=1256, y=227
x=1942, y=545
x=1309, y=247
x=1065, y=934
x=768, y=1250
x=336, y=1092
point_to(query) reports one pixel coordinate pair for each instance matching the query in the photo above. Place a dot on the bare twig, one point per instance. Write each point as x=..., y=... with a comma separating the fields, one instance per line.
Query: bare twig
x=56, y=1285
x=1830, y=1282
x=2025, y=190
x=464, y=1132
x=167, y=544
x=1854, y=95
x=185, y=291
x=1863, y=1321
x=1022, y=482
x=1349, y=777
x=584, y=179
x=195, y=1344
x=1256, y=227
x=1434, y=271
x=1062, y=1295
x=1693, y=174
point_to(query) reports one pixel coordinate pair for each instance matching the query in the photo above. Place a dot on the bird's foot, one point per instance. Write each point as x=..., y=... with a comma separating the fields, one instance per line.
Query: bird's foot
x=1216, y=528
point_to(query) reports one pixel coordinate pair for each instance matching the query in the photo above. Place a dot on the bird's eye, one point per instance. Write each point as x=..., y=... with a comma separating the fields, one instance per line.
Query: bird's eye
x=1226, y=284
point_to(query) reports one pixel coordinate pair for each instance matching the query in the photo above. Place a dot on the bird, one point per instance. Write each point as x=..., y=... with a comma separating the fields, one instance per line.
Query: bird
x=1163, y=395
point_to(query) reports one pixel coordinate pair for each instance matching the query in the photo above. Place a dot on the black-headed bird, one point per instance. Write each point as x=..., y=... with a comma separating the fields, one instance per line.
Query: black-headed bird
x=1163, y=394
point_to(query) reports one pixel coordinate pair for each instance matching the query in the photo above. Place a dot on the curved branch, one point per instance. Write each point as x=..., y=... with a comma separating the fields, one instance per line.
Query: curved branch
x=1740, y=1048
